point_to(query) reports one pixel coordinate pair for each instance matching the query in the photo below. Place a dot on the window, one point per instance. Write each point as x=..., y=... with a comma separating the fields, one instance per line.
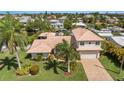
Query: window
x=97, y=43
x=89, y=42
x=81, y=43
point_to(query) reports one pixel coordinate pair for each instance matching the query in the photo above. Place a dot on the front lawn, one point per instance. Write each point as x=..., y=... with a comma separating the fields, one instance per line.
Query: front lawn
x=112, y=66
x=8, y=72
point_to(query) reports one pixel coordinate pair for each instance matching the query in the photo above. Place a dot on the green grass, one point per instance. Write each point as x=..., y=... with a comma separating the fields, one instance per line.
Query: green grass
x=112, y=66
x=46, y=75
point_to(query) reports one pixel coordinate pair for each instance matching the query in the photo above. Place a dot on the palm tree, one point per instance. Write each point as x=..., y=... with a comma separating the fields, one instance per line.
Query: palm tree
x=8, y=62
x=66, y=51
x=54, y=64
x=10, y=33
x=114, y=50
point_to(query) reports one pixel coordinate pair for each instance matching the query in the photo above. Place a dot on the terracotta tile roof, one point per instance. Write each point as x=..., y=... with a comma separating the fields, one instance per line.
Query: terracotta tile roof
x=46, y=45
x=49, y=34
x=89, y=49
x=38, y=47
x=83, y=34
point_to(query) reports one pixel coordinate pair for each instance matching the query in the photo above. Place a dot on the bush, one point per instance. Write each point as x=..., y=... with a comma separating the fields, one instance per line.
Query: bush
x=23, y=71
x=29, y=68
x=34, y=69
x=39, y=58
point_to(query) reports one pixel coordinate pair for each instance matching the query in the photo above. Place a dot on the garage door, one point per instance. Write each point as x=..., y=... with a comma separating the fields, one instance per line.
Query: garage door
x=88, y=55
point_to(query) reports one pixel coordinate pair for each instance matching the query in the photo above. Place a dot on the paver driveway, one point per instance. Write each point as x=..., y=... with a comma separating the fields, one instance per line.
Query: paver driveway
x=95, y=71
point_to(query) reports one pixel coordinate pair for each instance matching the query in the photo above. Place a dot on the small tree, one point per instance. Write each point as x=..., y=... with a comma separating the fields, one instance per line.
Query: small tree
x=68, y=24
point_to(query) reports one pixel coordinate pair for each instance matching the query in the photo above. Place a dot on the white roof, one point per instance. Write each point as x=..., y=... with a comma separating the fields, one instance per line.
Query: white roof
x=116, y=28
x=105, y=34
x=119, y=40
x=79, y=24
x=105, y=31
x=1, y=16
x=63, y=17
x=25, y=19
x=54, y=21
x=122, y=34
x=102, y=31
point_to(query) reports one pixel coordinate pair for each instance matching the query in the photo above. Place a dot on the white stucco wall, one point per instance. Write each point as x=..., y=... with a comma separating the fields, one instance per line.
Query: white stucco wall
x=34, y=55
x=86, y=44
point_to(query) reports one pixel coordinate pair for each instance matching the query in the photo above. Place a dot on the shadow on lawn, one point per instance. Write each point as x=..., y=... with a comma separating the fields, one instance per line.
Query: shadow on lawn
x=55, y=66
x=107, y=69
x=113, y=59
x=8, y=62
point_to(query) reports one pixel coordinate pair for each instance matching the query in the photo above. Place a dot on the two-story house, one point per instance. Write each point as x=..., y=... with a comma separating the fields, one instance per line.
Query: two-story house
x=87, y=43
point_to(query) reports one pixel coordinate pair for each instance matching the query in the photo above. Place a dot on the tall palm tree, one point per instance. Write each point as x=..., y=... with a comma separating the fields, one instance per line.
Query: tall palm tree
x=66, y=51
x=10, y=33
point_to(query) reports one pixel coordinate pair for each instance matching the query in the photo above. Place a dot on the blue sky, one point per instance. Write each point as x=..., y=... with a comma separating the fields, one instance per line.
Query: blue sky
x=35, y=12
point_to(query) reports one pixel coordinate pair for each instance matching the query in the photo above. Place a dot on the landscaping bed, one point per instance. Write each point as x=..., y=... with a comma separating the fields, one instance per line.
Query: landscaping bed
x=9, y=71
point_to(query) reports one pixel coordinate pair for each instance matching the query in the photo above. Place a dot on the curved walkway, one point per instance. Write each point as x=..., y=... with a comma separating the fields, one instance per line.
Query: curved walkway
x=95, y=71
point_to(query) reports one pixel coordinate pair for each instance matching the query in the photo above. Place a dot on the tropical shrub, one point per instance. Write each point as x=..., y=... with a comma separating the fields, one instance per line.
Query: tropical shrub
x=114, y=51
x=39, y=58
x=34, y=69
x=23, y=71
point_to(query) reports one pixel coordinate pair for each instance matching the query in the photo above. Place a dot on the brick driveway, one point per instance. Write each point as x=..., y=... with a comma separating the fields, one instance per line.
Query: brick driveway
x=95, y=71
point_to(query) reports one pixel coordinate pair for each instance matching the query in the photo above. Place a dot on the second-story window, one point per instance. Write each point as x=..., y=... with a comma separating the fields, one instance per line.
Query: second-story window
x=81, y=43
x=97, y=43
x=89, y=42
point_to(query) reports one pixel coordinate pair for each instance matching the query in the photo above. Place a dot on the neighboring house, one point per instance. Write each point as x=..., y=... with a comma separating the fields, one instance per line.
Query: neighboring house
x=62, y=19
x=46, y=35
x=88, y=16
x=122, y=34
x=2, y=16
x=79, y=24
x=25, y=19
x=86, y=43
x=107, y=35
x=51, y=17
x=104, y=30
x=46, y=44
x=56, y=24
x=116, y=29
x=118, y=40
